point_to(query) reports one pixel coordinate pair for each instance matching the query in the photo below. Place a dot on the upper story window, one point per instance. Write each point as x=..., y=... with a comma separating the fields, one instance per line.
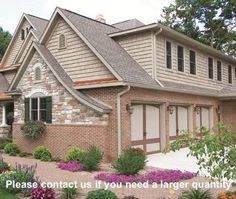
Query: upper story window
x=37, y=74
x=22, y=34
x=27, y=31
x=168, y=55
x=62, y=41
x=192, y=61
x=230, y=74
x=235, y=72
x=219, y=71
x=180, y=53
x=210, y=68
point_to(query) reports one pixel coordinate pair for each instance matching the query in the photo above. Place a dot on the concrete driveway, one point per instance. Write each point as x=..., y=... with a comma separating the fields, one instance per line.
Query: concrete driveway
x=174, y=160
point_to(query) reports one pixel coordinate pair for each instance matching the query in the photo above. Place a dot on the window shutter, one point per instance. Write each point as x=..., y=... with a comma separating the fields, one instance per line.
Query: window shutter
x=27, y=109
x=49, y=109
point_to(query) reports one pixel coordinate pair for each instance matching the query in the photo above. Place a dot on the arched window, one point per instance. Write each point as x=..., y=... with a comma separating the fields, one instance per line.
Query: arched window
x=37, y=74
x=62, y=41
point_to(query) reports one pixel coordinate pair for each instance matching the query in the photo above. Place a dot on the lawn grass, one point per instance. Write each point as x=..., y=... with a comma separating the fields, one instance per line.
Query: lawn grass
x=5, y=195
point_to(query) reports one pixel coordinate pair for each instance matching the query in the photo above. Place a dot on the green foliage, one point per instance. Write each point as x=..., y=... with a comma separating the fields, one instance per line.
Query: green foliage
x=33, y=129
x=5, y=195
x=70, y=193
x=42, y=153
x=130, y=162
x=4, y=141
x=21, y=174
x=12, y=149
x=5, y=38
x=55, y=159
x=196, y=194
x=211, y=22
x=101, y=194
x=215, y=153
x=91, y=159
x=74, y=154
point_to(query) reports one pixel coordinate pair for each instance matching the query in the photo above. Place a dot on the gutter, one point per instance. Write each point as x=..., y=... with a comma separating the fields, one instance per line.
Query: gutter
x=154, y=51
x=119, y=117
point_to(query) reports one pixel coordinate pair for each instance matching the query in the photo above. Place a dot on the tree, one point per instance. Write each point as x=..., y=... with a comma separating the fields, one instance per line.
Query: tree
x=215, y=153
x=212, y=22
x=5, y=38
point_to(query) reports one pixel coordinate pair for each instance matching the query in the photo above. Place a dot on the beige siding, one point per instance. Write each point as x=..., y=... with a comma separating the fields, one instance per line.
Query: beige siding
x=201, y=79
x=9, y=75
x=16, y=46
x=77, y=59
x=26, y=49
x=139, y=46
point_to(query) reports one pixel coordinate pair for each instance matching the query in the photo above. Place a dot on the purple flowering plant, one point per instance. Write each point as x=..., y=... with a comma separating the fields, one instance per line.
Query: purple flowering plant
x=153, y=176
x=71, y=166
x=42, y=193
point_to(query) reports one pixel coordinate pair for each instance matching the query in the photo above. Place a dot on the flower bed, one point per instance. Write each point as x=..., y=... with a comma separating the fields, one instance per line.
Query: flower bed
x=70, y=166
x=152, y=176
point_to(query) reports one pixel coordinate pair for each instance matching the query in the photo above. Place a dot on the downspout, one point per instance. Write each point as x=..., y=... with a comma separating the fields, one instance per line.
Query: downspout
x=154, y=57
x=119, y=118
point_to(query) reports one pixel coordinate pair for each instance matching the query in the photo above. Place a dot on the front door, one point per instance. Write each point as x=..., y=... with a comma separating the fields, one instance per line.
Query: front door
x=145, y=127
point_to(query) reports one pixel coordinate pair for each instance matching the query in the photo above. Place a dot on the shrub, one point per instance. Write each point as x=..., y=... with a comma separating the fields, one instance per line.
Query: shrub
x=4, y=142
x=70, y=193
x=74, y=154
x=227, y=195
x=130, y=162
x=42, y=153
x=33, y=129
x=70, y=166
x=195, y=194
x=3, y=165
x=92, y=159
x=101, y=194
x=11, y=149
x=42, y=193
x=20, y=174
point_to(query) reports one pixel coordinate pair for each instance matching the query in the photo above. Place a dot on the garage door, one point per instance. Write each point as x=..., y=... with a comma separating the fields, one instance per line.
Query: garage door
x=178, y=121
x=203, y=117
x=145, y=127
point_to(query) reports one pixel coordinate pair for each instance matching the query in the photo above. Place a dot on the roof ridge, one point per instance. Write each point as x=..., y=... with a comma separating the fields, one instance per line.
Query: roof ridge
x=87, y=17
x=36, y=17
x=125, y=21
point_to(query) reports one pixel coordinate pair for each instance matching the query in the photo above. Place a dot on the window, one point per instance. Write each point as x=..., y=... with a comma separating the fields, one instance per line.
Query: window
x=230, y=74
x=168, y=55
x=203, y=117
x=22, y=34
x=62, y=41
x=37, y=74
x=27, y=31
x=219, y=71
x=235, y=72
x=210, y=68
x=192, y=61
x=180, y=52
x=38, y=107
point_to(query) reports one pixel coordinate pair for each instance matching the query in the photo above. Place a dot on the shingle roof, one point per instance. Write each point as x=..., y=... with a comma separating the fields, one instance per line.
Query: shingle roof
x=39, y=23
x=128, y=24
x=3, y=83
x=66, y=79
x=121, y=62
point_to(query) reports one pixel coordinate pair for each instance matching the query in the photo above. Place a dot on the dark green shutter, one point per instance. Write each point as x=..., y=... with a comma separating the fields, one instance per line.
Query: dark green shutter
x=27, y=109
x=49, y=109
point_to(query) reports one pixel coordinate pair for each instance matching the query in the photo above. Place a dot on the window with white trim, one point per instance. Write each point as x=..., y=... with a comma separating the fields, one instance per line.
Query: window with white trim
x=180, y=54
x=62, y=41
x=168, y=55
x=192, y=61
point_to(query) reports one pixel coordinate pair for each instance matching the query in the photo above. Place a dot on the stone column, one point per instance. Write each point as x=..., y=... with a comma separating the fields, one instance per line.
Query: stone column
x=4, y=122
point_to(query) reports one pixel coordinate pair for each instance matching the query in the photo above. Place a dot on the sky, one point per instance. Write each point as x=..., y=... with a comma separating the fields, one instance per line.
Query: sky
x=147, y=11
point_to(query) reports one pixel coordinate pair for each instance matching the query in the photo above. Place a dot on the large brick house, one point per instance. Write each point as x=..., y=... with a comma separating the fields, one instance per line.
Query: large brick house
x=114, y=86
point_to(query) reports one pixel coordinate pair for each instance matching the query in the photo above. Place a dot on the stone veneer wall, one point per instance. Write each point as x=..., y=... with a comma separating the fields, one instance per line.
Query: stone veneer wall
x=65, y=108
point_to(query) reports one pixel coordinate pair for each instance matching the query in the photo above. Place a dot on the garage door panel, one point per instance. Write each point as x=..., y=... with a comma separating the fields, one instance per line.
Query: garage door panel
x=172, y=123
x=137, y=123
x=205, y=117
x=152, y=122
x=182, y=119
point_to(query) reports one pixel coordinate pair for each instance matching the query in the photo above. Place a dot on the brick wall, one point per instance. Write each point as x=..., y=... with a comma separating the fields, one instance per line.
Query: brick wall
x=229, y=112
x=60, y=138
